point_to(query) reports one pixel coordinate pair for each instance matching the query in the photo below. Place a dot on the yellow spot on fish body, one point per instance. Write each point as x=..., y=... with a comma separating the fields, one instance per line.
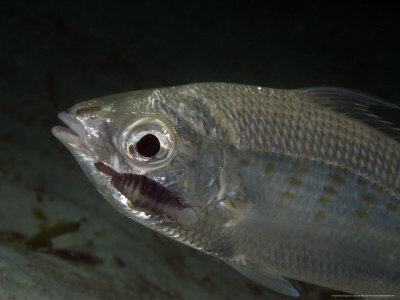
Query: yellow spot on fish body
x=361, y=181
x=397, y=229
x=362, y=214
x=368, y=199
x=391, y=207
x=245, y=162
x=357, y=225
x=395, y=244
x=319, y=213
x=330, y=190
x=352, y=235
x=304, y=156
x=236, y=210
x=301, y=168
x=382, y=187
x=229, y=203
x=282, y=204
x=287, y=194
x=324, y=199
x=269, y=168
x=337, y=177
x=293, y=180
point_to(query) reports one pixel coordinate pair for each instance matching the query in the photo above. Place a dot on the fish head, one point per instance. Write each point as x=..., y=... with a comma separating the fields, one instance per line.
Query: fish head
x=148, y=133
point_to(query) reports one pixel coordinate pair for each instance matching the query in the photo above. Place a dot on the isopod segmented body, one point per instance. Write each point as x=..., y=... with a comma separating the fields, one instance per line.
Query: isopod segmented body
x=148, y=194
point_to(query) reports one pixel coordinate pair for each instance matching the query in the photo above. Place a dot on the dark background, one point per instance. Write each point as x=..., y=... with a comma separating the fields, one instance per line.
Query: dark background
x=72, y=51
x=54, y=54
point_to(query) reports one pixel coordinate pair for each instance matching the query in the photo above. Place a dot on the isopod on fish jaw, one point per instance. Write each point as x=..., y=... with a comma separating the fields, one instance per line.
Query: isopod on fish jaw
x=146, y=193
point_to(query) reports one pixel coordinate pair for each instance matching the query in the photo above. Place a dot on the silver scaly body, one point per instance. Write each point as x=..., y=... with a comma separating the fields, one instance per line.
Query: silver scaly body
x=293, y=183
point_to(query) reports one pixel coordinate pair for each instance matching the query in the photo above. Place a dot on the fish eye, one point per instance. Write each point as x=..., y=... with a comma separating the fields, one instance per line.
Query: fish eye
x=148, y=142
x=148, y=146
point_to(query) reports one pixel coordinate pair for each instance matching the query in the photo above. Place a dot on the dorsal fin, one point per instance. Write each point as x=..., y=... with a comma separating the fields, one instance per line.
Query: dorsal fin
x=380, y=114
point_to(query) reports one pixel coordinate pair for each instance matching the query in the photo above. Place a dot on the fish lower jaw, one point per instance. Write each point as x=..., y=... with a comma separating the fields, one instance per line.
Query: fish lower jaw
x=69, y=137
x=73, y=135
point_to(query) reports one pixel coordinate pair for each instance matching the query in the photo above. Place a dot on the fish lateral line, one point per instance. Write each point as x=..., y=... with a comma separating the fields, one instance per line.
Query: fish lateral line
x=147, y=193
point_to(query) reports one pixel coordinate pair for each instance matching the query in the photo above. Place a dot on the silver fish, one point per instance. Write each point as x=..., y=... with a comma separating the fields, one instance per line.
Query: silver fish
x=302, y=184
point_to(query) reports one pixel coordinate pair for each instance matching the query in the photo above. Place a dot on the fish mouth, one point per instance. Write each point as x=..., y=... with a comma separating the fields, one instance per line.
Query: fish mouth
x=73, y=135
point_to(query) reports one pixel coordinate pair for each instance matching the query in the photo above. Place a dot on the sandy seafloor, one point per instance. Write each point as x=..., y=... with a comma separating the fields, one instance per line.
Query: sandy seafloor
x=58, y=238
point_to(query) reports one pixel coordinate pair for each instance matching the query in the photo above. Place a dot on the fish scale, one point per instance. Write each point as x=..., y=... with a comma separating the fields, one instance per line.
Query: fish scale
x=238, y=110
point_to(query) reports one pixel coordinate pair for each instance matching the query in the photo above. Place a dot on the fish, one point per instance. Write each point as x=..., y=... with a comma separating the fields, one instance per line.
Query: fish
x=282, y=185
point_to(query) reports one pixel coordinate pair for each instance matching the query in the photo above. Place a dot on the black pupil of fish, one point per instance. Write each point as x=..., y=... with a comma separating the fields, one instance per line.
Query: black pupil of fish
x=148, y=145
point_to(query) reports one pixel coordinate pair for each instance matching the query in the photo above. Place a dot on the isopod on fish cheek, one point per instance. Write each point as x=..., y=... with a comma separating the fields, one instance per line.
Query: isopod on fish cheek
x=146, y=193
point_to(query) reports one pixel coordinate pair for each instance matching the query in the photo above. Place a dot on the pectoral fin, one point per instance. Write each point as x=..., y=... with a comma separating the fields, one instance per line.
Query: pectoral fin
x=269, y=280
